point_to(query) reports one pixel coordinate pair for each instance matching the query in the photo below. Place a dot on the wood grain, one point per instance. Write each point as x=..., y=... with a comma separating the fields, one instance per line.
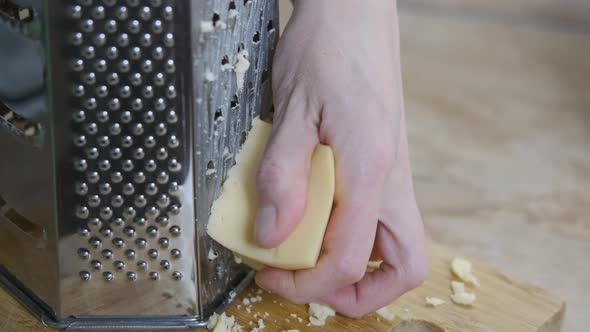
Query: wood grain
x=499, y=126
x=504, y=304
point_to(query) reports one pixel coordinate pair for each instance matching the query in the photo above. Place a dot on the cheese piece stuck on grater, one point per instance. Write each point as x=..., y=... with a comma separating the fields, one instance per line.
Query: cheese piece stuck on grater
x=233, y=214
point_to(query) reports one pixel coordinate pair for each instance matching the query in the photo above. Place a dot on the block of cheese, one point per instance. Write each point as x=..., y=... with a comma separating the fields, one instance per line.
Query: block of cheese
x=250, y=262
x=233, y=214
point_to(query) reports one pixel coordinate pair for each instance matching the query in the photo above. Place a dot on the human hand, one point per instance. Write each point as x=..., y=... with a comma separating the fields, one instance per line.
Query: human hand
x=337, y=81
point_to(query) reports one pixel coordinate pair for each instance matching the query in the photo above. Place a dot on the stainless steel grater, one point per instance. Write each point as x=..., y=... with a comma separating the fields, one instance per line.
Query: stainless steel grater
x=118, y=123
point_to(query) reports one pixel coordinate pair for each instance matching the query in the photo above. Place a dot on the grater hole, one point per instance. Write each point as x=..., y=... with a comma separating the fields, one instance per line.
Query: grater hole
x=218, y=114
x=243, y=137
x=241, y=47
x=256, y=38
x=211, y=171
x=215, y=19
x=234, y=102
x=232, y=5
x=225, y=60
x=270, y=27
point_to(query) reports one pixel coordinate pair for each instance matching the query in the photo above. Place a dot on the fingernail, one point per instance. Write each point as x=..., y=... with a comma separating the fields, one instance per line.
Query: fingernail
x=266, y=220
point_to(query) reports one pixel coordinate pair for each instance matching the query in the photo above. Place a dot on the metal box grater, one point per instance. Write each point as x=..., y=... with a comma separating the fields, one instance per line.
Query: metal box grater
x=118, y=123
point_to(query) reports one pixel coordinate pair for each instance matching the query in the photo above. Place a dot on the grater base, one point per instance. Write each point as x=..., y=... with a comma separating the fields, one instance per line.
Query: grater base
x=41, y=311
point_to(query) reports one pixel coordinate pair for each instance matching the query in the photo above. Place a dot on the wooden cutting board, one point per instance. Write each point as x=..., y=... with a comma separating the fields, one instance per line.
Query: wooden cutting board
x=503, y=304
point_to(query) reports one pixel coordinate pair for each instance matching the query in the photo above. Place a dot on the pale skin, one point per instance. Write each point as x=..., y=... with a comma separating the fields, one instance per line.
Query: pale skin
x=337, y=81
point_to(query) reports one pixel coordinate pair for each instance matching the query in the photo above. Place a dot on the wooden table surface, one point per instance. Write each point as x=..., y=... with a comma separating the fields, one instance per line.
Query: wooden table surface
x=499, y=125
x=503, y=304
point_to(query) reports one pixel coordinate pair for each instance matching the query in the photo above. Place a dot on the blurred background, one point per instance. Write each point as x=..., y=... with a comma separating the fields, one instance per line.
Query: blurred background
x=498, y=106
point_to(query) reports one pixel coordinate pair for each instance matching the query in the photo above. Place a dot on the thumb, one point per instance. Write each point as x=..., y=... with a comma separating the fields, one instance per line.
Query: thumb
x=281, y=182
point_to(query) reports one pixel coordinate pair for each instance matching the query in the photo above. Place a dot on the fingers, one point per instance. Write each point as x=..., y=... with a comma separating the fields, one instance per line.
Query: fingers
x=350, y=234
x=380, y=287
x=341, y=262
x=283, y=175
x=399, y=243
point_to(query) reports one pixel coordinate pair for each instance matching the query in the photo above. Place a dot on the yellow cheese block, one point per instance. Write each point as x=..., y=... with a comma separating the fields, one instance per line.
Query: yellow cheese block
x=233, y=214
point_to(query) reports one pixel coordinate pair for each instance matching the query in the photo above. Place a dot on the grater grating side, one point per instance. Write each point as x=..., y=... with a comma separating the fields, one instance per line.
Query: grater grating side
x=141, y=120
x=227, y=115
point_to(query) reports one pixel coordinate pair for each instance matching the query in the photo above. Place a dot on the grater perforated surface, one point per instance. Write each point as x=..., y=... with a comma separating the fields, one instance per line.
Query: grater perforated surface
x=127, y=157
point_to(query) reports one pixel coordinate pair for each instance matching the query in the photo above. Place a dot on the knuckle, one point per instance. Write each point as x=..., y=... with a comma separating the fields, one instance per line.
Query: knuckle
x=291, y=292
x=349, y=273
x=417, y=273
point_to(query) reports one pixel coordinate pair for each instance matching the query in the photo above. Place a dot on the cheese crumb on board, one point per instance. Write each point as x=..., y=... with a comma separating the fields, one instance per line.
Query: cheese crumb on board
x=385, y=313
x=212, y=321
x=223, y=323
x=460, y=295
x=457, y=287
x=260, y=327
x=464, y=298
x=318, y=314
x=462, y=268
x=254, y=299
x=434, y=301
